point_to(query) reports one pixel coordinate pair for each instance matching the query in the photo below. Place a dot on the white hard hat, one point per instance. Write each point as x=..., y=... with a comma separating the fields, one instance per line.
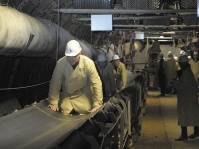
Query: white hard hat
x=182, y=52
x=170, y=53
x=72, y=48
x=189, y=57
x=195, y=53
x=183, y=58
x=176, y=58
x=115, y=57
x=101, y=57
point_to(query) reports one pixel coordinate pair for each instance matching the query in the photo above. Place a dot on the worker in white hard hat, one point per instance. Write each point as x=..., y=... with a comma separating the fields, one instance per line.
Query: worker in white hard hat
x=77, y=78
x=182, y=52
x=194, y=63
x=105, y=70
x=171, y=72
x=187, y=100
x=120, y=72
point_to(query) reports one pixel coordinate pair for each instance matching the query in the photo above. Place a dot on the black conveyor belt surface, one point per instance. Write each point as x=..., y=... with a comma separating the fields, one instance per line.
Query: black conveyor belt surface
x=37, y=127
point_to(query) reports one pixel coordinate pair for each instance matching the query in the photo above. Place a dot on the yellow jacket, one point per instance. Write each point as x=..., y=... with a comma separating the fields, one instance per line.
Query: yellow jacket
x=81, y=88
x=120, y=76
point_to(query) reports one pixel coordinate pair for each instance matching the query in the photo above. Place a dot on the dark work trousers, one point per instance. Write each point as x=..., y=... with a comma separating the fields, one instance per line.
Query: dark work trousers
x=196, y=130
x=184, y=131
x=162, y=82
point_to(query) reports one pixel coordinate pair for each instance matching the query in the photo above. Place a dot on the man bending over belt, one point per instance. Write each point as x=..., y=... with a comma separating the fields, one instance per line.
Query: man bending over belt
x=77, y=78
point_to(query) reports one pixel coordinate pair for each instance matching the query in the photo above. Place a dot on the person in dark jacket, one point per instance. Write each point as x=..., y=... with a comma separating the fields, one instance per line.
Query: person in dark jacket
x=105, y=70
x=187, y=100
x=160, y=74
x=171, y=72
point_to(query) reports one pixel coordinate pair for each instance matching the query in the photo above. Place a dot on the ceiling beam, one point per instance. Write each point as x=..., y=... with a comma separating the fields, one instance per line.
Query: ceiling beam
x=157, y=26
x=141, y=17
x=157, y=30
x=151, y=26
x=124, y=11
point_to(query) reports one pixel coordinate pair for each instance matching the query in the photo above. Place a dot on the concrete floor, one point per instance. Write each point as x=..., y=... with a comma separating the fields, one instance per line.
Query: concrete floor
x=159, y=125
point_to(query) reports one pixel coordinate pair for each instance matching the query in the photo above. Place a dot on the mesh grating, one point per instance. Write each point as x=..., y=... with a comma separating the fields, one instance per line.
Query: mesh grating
x=78, y=3
x=93, y=4
x=141, y=4
x=107, y=4
x=187, y=4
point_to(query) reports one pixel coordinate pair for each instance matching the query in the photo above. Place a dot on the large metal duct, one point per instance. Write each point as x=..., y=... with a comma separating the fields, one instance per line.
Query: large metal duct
x=23, y=35
x=20, y=34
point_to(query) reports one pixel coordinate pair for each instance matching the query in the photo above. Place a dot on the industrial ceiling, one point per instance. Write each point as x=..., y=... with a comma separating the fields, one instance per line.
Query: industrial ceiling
x=30, y=49
x=175, y=19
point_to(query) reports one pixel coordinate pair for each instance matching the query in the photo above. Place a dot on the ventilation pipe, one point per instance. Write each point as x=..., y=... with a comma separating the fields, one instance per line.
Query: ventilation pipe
x=23, y=35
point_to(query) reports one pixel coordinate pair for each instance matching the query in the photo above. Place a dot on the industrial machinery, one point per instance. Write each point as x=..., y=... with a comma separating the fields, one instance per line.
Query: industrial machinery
x=112, y=126
x=29, y=50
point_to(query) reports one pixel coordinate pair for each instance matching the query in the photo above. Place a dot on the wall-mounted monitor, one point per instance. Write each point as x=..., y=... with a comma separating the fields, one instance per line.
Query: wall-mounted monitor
x=197, y=8
x=101, y=22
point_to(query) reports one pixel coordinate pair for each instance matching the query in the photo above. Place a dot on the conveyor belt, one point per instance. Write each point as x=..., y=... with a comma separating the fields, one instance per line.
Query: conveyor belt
x=37, y=127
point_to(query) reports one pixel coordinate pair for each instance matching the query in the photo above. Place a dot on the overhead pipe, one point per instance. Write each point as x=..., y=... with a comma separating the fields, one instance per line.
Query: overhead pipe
x=151, y=26
x=139, y=17
x=20, y=34
x=125, y=11
x=153, y=30
x=23, y=35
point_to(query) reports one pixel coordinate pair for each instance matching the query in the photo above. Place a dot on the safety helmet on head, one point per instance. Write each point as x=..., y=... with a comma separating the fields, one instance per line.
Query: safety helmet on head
x=182, y=52
x=195, y=53
x=72, y=48
x=176, y=58
x=183, y=58
x=170, y=53
x=115, y=57
x=101, y=57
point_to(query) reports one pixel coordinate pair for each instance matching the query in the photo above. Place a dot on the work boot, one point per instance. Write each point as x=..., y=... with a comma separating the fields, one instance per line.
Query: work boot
x=182, y=138
x=195, y=134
